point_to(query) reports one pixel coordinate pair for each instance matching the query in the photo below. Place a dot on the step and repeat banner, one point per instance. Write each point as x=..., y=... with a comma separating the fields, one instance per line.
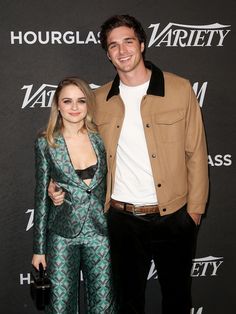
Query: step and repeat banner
x=44, y=41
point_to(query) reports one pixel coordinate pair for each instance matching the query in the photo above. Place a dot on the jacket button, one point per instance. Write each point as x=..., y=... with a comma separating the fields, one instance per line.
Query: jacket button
x=159, y=185
x=88, y=191
x=148, y=125
x=154, y=155
x=117, y=126
x=164, y=209
x=110, y=156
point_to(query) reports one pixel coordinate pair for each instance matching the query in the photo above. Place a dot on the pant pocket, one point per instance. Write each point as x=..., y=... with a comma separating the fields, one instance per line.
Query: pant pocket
x=181, y=223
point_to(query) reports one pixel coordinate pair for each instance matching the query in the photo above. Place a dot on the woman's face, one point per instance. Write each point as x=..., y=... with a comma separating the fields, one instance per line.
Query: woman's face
x=72, y=105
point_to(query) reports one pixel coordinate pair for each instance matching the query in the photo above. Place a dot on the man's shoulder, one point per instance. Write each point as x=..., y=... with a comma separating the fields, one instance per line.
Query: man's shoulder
x=103, y=90
x=176, y=84
x=175, y=79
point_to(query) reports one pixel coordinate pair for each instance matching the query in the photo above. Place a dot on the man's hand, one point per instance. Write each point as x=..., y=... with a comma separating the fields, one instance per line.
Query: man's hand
x=56, y=193
x=196, y=218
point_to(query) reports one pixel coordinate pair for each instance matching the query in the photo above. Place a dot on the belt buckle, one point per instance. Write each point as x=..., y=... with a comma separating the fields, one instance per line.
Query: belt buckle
x=137, y=213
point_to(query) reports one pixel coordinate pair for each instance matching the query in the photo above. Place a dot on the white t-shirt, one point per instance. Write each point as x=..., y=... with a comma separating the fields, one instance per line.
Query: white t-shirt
x=133, y=177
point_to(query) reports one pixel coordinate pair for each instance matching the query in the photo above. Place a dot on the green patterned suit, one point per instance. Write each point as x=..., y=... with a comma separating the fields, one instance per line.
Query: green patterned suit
x=73, y=235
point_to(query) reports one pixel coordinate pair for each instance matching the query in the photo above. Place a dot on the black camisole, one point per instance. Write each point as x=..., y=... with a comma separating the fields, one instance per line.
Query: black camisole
x=87, y=173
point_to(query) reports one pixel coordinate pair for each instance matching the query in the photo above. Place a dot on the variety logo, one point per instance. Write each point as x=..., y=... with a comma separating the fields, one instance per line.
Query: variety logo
x=196, y=311
x=180, y=35
x=53, y=37
x=42, y=97
x=31, y=219
x=220, y=160
x=201, y=267
x=206, y=266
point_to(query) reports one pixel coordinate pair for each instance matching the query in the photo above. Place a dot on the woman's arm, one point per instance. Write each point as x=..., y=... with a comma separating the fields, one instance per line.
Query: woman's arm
x=42, y=201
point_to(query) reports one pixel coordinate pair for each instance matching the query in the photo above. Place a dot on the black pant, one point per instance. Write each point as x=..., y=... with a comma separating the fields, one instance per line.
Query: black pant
x=136, y=240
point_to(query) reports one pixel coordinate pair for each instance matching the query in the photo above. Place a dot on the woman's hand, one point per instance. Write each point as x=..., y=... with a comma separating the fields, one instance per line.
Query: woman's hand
x=37, y=259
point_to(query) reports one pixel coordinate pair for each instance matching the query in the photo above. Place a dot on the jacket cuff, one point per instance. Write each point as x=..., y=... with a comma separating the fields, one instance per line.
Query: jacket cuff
x=196, y=208
x=39, y=249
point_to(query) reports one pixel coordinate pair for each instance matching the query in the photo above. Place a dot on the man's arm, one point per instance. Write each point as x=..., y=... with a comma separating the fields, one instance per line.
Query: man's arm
x=196, y=159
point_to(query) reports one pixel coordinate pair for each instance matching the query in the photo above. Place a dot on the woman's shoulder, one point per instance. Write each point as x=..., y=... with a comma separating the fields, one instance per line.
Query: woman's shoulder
x=41, y=141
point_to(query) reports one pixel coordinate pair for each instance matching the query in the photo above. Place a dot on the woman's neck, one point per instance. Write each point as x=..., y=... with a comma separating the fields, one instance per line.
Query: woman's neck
x=73, y=131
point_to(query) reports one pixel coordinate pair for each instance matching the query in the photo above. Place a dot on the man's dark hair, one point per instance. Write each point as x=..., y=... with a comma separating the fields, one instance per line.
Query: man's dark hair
x=122, y=20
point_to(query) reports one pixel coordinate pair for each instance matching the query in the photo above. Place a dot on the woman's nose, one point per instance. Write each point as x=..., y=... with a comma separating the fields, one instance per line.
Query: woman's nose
x=74, y=105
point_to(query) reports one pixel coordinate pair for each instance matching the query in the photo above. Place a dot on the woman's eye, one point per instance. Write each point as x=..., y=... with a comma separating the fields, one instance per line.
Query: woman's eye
x=82, y=101
x=67, y=101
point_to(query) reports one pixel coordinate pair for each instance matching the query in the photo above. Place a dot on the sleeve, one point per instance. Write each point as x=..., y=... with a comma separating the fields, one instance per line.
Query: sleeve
x=196, y=157
x=41, y=199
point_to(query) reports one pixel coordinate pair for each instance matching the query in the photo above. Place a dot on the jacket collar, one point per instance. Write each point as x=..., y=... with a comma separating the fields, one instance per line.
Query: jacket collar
x=156, y=86
x=62, y=158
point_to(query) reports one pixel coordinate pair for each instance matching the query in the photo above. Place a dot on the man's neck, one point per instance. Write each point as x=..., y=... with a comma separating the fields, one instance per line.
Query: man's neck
x=138, y=76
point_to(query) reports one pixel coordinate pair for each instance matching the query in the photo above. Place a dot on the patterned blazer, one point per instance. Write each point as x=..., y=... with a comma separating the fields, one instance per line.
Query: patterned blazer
x=80, y=199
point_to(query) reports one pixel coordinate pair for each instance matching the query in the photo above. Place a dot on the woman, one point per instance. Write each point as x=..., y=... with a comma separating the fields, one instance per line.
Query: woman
x=73, y=236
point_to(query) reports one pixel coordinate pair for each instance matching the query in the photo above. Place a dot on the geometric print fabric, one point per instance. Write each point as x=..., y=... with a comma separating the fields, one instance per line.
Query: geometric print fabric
x=65, y=257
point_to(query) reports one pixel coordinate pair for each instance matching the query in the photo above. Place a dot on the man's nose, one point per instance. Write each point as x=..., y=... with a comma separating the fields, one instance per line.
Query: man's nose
x=122, y=48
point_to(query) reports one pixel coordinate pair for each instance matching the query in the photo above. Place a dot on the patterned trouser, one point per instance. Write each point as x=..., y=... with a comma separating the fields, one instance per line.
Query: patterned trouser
x=65, y=258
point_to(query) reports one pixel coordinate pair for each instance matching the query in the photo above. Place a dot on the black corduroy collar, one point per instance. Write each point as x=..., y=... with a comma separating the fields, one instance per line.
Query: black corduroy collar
x=156, y=86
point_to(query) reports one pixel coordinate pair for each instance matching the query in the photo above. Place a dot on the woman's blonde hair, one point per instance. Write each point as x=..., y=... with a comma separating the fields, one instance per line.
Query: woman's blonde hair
x=55, y=124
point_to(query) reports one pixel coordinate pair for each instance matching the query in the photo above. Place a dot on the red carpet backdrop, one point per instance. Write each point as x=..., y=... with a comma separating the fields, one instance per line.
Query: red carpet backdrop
x=44, y=41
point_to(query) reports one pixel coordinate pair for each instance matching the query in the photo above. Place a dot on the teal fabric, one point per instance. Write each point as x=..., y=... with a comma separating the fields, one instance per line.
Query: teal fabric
x=89, y=252
x=74, y=235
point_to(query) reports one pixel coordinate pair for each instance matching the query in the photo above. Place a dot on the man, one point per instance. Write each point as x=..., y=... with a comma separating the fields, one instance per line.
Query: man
x=157, y=182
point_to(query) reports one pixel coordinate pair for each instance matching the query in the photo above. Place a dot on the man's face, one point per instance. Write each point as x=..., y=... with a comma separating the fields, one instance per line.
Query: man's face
x=124, y=49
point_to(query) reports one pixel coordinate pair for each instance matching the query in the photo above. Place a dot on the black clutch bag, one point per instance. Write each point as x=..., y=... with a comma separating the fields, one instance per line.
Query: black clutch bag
x=40, y=287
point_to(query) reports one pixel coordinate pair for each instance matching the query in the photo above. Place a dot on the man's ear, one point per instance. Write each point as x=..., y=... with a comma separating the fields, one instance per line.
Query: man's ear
x=108, y=55
x=142, y=47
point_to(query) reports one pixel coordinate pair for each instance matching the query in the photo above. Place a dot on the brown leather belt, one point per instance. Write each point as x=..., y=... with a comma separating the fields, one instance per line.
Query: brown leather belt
x=147, y=209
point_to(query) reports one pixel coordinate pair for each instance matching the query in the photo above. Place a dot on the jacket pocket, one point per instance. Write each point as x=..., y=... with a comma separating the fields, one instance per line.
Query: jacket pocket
x=170, y=126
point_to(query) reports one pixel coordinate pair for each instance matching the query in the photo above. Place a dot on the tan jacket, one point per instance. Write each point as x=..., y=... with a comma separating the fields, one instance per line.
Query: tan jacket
x=175, y=138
